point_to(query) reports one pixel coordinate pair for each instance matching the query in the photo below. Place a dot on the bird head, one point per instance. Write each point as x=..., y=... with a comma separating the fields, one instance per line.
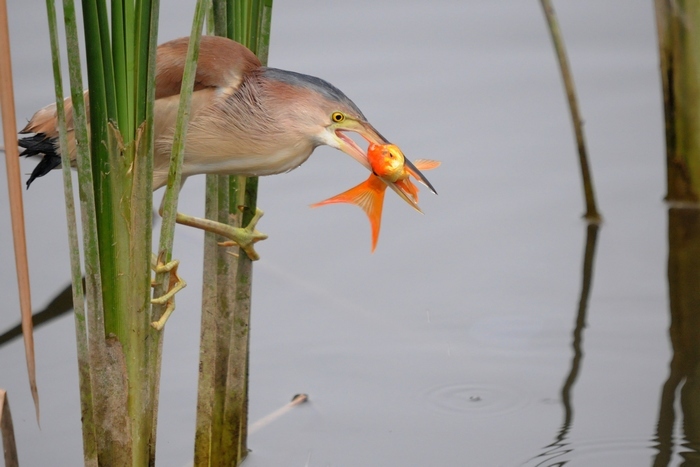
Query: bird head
x=330, y=116
x=336, y=137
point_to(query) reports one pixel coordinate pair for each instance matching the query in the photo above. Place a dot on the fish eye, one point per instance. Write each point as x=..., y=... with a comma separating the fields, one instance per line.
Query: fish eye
x=393, y=152
x=337, y=117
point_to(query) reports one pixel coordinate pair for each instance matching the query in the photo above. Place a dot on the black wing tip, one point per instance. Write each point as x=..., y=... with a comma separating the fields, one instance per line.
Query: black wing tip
x=40, y=145
x=37, y=144
x=46, y=165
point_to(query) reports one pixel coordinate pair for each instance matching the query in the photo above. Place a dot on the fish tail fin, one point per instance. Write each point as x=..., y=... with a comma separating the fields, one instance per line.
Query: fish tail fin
x=368, y=195
x=373, y=209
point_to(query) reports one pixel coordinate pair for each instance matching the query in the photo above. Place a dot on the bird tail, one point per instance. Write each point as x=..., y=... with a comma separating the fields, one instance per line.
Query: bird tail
x=40, y=145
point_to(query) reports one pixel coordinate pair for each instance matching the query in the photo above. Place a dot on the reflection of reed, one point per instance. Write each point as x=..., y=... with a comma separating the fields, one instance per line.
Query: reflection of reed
x=61, y=304
x=684, y=301
x=560, y=446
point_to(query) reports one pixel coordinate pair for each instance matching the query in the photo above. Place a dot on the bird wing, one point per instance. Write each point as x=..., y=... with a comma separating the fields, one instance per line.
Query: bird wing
x=222, y=63
x=221, y=66
x=45, y=120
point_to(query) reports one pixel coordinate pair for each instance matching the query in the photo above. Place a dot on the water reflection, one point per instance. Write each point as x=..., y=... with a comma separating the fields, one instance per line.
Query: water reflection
x=561, y=446
x=61, y=304
x=684, y=373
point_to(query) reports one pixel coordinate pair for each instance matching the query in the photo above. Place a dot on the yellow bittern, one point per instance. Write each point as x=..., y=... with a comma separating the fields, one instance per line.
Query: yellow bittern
x=245, y=119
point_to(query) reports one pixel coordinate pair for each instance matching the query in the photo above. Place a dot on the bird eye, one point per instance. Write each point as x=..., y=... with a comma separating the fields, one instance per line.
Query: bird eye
x=337, y=117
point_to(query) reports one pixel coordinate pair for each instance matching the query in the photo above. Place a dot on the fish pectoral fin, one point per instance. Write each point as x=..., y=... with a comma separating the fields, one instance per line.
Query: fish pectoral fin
x=422, y=164
x=425, y=164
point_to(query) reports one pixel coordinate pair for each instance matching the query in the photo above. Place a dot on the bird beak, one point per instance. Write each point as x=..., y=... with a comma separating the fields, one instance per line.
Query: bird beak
x=369, y=133
x=349, y=147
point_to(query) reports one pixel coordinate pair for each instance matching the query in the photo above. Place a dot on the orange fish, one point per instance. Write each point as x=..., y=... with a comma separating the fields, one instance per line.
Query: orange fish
x=388, y=167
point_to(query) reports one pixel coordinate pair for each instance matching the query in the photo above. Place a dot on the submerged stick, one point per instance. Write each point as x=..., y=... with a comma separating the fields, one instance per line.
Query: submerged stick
x=592, y=214
x=269, y=418
x=14, y=186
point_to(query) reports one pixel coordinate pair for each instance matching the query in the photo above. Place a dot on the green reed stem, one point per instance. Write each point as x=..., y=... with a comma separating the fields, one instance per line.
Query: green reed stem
x=85, y=384
x=167, y=231
x=222, y=408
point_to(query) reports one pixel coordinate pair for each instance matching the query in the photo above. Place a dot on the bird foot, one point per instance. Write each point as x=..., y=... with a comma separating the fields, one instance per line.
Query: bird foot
x=175, y=284
x=244, y=237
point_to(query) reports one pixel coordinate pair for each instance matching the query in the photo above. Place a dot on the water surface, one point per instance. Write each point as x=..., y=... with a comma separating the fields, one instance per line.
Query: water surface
x=452, y=344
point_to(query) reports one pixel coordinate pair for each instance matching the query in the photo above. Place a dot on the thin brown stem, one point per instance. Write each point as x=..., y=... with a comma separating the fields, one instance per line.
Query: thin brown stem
x=592, y=215
x=14, y=186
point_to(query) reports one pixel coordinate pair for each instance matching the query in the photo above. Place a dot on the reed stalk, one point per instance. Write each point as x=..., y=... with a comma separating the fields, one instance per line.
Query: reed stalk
x=89, y=328
x=78, y=294
x=222, y=406
x=175, y=173
x=117, y=348
x=679, y=48
x=592, y=215
x=172, y=190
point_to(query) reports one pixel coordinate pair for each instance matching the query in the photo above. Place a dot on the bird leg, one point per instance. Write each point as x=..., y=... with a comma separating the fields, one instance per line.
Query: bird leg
x=175, y=284
x=244, y=237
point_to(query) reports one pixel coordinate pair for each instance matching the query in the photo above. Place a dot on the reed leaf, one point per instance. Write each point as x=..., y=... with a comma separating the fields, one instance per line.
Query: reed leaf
x=144, y=92
x=99, y=118
x=119, y=60
x=124, y=350
x=91, y=329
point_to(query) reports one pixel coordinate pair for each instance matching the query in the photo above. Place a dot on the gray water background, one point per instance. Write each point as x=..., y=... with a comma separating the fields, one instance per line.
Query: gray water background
x=449, y=345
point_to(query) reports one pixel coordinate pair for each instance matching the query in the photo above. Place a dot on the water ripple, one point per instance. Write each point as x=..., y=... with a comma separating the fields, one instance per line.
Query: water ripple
x=594, y=452
x=477, y=398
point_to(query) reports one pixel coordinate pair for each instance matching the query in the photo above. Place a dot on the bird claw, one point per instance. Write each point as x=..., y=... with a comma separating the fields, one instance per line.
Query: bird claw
x=244, y=237
x=175, y=284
